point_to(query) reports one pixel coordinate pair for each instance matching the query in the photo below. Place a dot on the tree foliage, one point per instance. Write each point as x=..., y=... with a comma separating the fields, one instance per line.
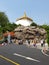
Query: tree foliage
x=3, y=19
x=5, y=24
x=9, y=27
x=46, y=27
x=33, y=24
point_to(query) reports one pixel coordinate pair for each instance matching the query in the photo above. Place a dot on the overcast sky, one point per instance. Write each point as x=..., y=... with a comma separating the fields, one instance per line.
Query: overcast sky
x=38, y=10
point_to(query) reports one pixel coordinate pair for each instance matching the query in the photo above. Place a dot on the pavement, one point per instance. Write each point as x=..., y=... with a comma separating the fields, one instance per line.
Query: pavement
x=13, y=54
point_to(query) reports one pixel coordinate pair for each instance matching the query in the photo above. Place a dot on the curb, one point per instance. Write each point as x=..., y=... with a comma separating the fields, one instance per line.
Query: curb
x=44, y=53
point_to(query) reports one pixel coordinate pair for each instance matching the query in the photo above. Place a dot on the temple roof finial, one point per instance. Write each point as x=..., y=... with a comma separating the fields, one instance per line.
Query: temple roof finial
x=24, y=14
x=24, y=17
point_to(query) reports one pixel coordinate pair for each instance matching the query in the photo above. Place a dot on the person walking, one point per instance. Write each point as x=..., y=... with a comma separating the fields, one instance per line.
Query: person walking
x=9, y=38
x=44, y=47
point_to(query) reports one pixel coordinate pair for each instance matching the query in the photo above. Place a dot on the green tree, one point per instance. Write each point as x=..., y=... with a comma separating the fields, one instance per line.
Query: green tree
x=9, y=27
x=1, y=29
x=3, y=19
x=46, y=27
x=33, y=24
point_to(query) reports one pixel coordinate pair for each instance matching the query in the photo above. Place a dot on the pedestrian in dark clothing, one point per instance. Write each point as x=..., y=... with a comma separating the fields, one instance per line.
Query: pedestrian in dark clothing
x=28, y=41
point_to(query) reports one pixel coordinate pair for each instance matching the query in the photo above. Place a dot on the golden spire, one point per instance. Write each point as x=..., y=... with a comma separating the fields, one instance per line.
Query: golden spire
x=24, y=14
x=24, y=17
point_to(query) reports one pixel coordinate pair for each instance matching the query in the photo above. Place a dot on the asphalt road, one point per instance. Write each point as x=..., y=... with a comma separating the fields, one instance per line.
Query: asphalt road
x=22, y=55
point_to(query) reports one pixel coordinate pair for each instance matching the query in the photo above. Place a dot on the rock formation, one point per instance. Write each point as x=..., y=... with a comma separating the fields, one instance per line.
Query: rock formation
x=30, y=32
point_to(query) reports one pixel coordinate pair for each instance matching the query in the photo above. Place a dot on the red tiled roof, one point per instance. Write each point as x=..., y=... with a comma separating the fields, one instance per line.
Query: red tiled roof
x=6, y=34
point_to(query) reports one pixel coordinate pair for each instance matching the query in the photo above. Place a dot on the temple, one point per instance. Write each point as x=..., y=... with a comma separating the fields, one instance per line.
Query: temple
x=24, y=20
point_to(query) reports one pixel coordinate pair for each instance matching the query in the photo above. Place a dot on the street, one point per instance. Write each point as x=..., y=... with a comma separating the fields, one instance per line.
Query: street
x=13, y=54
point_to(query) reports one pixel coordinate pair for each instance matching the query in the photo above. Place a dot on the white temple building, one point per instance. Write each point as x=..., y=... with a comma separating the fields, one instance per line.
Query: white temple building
x=24, y=20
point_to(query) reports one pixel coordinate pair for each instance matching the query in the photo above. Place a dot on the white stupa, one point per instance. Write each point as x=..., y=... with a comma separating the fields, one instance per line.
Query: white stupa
x=24, y=20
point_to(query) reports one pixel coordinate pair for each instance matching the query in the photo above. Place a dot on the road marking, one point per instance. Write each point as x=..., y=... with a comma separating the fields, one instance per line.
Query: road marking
x=9, y=60
x=29, y=58
x=44, y=53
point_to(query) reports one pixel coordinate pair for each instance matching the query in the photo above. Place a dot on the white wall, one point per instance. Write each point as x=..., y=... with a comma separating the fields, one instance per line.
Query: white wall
x=24, y=22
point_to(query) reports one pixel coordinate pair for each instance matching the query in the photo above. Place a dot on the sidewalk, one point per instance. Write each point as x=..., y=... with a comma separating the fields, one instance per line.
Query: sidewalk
x=38, y=46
